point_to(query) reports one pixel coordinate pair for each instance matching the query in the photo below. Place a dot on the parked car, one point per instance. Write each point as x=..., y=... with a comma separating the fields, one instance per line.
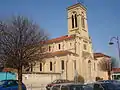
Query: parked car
x=56, y=82
x=10, y=85
x=104, y=86
x=86, y=87
x=111, y=81
x=69, y=86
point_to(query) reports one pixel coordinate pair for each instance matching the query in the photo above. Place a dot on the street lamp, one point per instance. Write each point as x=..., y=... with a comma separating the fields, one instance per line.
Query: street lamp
x=118, y=43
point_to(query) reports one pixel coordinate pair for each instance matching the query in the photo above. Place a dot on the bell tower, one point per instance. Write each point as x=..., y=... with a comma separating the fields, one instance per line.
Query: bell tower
x=77, y=20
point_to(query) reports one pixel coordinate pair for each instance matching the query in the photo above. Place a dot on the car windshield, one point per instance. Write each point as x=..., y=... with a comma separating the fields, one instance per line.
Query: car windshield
x=2, y=83
x=76, y=87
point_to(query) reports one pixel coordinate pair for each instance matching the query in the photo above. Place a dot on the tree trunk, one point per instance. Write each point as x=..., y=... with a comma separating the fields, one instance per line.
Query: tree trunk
x=20, y=78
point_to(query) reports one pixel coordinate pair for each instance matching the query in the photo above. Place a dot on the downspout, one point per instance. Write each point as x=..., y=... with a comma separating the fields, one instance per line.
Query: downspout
x=66, y=68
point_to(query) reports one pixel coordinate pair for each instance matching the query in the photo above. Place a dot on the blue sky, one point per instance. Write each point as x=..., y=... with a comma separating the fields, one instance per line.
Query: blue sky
x=51, y=15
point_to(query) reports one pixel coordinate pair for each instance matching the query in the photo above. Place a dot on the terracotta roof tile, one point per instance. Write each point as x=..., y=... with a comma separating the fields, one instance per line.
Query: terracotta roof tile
x=115, y=70
x=58, y=53
x=9, y=70
x=97, y=55
x=59, y=39
x=77, y=5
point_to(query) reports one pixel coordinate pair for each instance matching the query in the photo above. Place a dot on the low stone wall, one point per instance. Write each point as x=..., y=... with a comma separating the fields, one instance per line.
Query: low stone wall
x=38, y=79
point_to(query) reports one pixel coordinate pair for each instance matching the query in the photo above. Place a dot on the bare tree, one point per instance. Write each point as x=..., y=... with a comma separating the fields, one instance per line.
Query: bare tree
x=105, y=65
x=20, y=44
x=114, y=62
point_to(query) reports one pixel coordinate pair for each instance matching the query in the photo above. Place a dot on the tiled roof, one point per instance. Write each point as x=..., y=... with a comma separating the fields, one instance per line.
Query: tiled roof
x=77, y=5
x=9, y=70
x=59, y=39
x=97, y=55
x=115, y=70
x=58, y=53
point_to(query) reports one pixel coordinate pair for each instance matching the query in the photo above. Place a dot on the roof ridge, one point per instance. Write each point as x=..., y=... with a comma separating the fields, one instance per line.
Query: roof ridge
x=59, y=39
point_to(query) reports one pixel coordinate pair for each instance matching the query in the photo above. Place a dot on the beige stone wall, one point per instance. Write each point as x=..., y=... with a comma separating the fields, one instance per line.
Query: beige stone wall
x=81, y=63
x=80, y=12
x=100, y=73
x=65, y=45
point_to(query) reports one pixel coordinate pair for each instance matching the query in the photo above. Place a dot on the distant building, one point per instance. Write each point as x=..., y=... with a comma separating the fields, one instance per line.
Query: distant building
x=116, y=73
x=7, y=74
x=101, y=58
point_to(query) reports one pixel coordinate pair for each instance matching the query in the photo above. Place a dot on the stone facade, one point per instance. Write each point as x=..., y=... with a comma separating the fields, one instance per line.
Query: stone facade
x=71, y=55
x=102, y=58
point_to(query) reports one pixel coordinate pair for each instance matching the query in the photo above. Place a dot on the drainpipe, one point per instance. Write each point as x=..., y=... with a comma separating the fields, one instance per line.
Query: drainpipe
x=66, y=68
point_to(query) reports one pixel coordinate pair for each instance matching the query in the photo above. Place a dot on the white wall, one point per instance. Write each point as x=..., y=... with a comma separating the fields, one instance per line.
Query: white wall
x=38, y=79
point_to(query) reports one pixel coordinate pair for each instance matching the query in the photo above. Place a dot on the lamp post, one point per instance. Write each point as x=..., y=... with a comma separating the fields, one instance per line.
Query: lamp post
x=118, y=43
x=118, y=47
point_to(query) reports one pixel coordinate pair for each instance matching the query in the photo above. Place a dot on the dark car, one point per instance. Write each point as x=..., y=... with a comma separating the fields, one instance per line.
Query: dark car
x=69, y=86
x=104, y=86
x=56, y=82
x=111, y=81
x=10, y=85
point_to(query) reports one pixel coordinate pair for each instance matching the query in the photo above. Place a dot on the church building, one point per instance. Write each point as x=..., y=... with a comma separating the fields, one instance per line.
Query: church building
x=71, y=55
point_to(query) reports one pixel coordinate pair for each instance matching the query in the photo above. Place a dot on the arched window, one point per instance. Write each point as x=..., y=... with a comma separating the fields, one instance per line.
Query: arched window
x=89, y=68
x=62, y=65
x=50, y=66
x=59, y=46
x=74, y=20
x=83, y=22
x=40, y=66
x=49, y=48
